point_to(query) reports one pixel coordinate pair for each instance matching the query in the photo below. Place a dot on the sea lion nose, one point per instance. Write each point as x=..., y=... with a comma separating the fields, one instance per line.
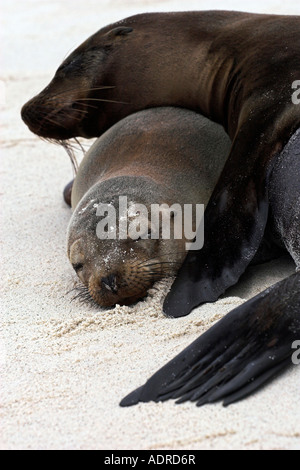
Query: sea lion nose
x=26, y=112
x=110, y=283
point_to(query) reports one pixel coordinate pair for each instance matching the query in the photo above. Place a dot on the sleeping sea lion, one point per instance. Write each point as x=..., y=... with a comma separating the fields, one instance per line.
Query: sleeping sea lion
x=238, y=69
x=163, y=156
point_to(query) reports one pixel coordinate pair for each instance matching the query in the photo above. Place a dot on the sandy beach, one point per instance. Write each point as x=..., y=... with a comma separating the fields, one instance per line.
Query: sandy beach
x=64, y=365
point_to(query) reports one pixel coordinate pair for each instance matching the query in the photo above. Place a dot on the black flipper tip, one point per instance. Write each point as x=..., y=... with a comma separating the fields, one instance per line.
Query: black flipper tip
x=132, y=398
x=176, y=309
x=236, y=356
x=187, y=294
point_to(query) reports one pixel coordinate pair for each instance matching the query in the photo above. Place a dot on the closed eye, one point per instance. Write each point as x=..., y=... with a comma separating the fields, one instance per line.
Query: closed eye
x=77, y=266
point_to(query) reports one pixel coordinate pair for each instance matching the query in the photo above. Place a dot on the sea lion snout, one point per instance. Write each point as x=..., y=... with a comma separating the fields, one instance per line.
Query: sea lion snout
x=53, y=114
x=123, y=284
x=28, y=115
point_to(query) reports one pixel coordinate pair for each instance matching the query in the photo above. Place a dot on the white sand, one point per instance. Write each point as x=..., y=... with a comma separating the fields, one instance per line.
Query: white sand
x=65, y=366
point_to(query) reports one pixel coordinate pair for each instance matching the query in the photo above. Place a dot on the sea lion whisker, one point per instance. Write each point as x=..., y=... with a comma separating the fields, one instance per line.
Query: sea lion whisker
x=153, y=274
x=84, y=90
x=86, y=105
x=81, y=287
x=72, y=290
x=62, y=109
x=79, y=295
x=48, y=119
x=47, y=116
x=68, y=142
x=102, y=100
x=155, y=268
x=160, y=263
x=73, y=111
x=149, y=273
x=75, y=147
x=67, y=114
x=81, y=146
x=142, y=270
x=80, y=290
x=66, y=145
x=105, y=87
x=69, y=148
x=83, y=296
x=51, y=141
x=80, y=111
x=138, y=263
x=147, y=262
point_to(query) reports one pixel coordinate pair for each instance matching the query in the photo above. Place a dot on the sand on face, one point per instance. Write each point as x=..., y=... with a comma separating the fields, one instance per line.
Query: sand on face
x=64, y=366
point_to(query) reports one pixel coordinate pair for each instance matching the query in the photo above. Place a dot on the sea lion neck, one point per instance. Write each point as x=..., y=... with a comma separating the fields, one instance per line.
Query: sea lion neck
x=177, y=65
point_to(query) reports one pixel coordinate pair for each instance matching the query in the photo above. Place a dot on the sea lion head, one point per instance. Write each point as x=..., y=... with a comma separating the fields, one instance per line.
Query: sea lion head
x=99, y=83
x=79, y=92
x=119, y=263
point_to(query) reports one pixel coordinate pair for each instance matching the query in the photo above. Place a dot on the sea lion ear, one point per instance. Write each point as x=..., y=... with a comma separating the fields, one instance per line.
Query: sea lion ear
x=118, y=31
x=76, y=251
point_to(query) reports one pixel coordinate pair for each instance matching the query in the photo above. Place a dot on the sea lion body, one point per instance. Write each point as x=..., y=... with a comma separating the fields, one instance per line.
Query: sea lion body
x=158, y=156
x=238, y=69
x=284, y=197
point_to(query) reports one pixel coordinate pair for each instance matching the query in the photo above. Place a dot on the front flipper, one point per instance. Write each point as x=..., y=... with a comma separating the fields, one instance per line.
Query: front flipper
x=233, y=232
x=68, y=193
x=236, y=356
x=234, y=225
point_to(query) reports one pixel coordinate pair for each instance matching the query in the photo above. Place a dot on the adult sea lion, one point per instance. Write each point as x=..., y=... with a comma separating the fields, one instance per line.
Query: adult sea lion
x=236, y=68
x=253, y=342
x=158, y=156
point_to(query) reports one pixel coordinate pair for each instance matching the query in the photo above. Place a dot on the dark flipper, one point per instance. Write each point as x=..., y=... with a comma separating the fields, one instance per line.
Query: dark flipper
x=235, y=221
x=68, y=193
x=236, y=356
x=233, y=234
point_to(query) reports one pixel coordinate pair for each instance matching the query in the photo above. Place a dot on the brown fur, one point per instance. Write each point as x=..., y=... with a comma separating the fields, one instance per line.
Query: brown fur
x=141, y=158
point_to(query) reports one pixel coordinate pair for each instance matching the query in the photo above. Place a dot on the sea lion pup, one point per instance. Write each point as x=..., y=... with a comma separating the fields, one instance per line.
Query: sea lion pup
x=159, y=156
x=238, y=69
